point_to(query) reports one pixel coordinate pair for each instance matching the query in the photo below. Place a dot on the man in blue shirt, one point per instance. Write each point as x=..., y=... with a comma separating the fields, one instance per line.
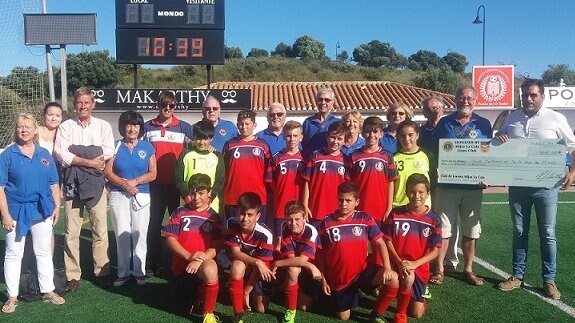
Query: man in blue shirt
x=273, y=133
x=315, y=127
x=456, y=202
x=224, y=129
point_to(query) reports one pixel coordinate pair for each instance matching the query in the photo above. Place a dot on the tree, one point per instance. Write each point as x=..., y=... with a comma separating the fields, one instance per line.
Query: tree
x=93, y=69
x=455, y=61
x=258, y=52
x=424, y=59
x=556, y=72
x=283, y=50
x=232, y=52
x=378, y=54
x=308, y=48
x=11, y=104
x=439, y=79
x=24, y=80
x=342, y=57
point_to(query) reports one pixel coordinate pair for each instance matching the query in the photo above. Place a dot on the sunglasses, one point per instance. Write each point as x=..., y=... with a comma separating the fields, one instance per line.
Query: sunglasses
x=170, y=106
x=324, y=99
x=397, y=113
x=276, y=115
x=209, y=109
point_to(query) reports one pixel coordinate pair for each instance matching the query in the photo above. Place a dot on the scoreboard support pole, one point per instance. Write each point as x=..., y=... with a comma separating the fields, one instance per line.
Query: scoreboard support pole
x=209, y=73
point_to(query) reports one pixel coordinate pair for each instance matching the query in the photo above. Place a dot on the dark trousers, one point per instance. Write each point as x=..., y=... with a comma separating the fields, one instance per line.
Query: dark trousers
x=162, y=196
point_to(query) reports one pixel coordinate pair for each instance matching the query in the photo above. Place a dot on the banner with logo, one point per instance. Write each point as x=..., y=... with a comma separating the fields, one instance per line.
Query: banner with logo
x=186, y=99
x=495, y=86
x=557, y=97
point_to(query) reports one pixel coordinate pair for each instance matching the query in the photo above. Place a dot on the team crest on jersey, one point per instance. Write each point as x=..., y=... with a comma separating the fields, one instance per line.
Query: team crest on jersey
x=418, y=164
x=426, y=232
x=209, y=163
x=356, y=231
x=256, y=151
x=142, y=154
x=45, y=162
x=171, y=137
x=223, y=132
x=341, y=170
x=207, y=227
x=379, y=166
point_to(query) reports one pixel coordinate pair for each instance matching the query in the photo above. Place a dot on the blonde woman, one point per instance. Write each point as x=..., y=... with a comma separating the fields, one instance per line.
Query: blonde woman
x=353, y=138
x=29, y=201
x=396, y=114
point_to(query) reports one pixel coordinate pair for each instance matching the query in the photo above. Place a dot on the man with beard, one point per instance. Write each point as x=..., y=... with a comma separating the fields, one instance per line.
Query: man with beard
x=458, y=201
x=535, y=121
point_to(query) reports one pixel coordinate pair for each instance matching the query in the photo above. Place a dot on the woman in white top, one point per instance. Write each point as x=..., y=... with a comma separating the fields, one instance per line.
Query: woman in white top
x=53, y=113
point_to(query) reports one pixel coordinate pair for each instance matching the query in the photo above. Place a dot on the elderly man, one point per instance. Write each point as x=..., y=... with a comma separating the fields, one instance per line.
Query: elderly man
x=83, y=145
x=460, y=202
x=432, y=108
x=315, y=127
x=534, y=121
x=273, y=133
x=224, y=129
x=168, y=135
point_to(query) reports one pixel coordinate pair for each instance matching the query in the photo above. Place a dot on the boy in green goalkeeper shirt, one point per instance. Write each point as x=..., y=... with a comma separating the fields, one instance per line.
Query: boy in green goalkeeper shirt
x=201, y=158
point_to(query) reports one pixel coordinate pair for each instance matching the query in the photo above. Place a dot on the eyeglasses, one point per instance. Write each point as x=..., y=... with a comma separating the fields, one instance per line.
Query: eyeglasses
x=324, y=99
x=170, y=106
x=397, y=113
x=210, y=109
x=465, y=98
x=529, y=95
x=276, y=115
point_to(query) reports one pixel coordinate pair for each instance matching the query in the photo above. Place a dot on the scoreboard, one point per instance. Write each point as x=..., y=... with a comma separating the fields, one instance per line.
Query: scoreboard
x=176, y=32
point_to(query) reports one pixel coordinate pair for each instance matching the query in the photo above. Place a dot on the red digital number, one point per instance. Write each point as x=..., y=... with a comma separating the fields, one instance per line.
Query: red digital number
x=159, y=47
x=181, y=47
x=197, y=47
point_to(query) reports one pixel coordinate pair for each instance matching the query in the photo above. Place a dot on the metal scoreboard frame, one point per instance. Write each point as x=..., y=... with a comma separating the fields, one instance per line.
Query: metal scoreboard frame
x=175, y=32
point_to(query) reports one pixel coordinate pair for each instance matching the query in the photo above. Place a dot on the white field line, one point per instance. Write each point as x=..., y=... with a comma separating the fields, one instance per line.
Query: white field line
x=505, y=203
x=529, y=288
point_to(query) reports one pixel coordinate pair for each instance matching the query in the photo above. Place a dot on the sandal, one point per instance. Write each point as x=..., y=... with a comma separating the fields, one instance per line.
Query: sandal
x=436, y=278
x=53, y=298
x=10, y=306
x=471, y=278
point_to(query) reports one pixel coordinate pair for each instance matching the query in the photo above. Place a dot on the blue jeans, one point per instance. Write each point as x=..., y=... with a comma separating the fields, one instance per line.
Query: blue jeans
x=521, y=199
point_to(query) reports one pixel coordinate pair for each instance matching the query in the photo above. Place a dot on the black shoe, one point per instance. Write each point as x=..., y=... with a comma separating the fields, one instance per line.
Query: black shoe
x=160, y=272
x=72, y=285
x=104, y=282
x=149, y=273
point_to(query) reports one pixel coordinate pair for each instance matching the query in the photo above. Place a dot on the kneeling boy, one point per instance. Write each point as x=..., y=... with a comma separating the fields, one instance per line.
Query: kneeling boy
x=194, y=234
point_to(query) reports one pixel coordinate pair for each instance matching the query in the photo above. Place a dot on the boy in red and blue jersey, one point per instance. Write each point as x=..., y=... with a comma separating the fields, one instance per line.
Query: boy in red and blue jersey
x=413, y=237
x=298, y=246
x=194, y=234
x=250, y=247
x=246, y=158
x=283, y=174
x=343, y=259
x=323, y=172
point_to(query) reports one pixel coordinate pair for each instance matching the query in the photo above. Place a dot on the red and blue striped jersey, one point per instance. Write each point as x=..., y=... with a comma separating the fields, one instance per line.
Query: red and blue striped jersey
x=304, y=243
x=413, y=235
x=372, y=172
x=324, y=173
x=284, y=179
x=259, y=244
x=344, y=243
x=195, y=231
x=246, y=164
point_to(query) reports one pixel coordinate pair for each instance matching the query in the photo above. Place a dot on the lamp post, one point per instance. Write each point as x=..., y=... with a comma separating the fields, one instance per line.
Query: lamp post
x=337, y=47
x=479, y=21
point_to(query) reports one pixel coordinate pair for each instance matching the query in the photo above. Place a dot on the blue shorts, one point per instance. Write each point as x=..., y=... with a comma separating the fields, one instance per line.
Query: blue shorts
x=418, y=289
x=348, y=298
x=261, y=287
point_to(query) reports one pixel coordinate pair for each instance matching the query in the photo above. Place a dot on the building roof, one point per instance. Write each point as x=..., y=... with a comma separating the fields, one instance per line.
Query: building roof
x=349, y=95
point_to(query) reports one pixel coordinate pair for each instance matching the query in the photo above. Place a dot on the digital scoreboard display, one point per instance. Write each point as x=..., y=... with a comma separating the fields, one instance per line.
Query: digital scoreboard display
x=178, y=32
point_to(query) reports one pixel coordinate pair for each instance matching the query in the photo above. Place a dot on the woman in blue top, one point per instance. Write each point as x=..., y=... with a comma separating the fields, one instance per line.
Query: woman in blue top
x=29, y=201
x=130, y=171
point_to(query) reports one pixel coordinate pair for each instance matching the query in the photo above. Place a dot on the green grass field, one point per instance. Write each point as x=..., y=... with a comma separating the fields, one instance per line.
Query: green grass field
x=454, y=301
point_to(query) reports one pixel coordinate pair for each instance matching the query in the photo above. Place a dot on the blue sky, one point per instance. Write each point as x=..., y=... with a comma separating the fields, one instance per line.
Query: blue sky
x=530, y=34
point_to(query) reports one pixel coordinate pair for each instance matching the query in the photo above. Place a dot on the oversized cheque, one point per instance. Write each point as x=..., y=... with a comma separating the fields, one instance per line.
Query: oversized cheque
x=517, y=162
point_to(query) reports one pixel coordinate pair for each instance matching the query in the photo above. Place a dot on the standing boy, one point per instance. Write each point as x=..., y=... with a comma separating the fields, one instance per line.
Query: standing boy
x=246, y=158
x=283, y=174
x=194, y=234
x=199, y=159
x=323, y=172
x=250, y=248
x=343, y=259
x=298, y=245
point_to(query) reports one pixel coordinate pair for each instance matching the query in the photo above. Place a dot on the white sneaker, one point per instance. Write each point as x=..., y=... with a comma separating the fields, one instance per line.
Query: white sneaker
x=121, y=281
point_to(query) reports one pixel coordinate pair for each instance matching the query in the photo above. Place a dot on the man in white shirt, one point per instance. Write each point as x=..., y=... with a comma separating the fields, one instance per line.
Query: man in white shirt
x=534, y=121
